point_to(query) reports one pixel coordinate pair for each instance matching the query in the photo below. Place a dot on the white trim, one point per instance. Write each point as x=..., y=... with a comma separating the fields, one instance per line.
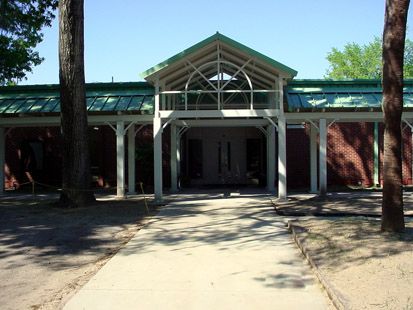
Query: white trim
x=261, y=128
x=222, y=122
x=44, y=121
x=271, y=122
x=157, y=159
x=167, y=123
x=219, y=113
x=139, y=129
x=323, y=157
x=282, y=159
x=131, y=159
x=344, y=116
x=174, y=159
x=120, y=159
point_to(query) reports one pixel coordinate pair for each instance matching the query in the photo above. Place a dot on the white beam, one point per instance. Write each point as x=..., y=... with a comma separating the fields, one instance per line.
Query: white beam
x=323, y=157
x=219, y=114
x=120, y=159
x=282, y=159
x=35, y=121
x=2, y=159
x=222, y=122
x=131, y=160
x=174, y=156
x=271, y=158
x=344, y=116
x=313, y=158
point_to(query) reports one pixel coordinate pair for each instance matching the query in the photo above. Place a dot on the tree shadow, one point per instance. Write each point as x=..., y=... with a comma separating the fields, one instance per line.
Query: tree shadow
x=343, y=204
x=343, y=242
x=35, y=228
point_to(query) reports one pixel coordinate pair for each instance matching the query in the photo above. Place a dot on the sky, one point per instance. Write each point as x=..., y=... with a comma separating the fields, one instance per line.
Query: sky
x=124, y=38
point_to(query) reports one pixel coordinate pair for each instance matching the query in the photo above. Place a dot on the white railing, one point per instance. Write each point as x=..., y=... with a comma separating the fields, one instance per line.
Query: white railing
x=226, y=99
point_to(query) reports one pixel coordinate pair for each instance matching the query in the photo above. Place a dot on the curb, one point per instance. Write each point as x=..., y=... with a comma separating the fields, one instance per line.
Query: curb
x=336, y=298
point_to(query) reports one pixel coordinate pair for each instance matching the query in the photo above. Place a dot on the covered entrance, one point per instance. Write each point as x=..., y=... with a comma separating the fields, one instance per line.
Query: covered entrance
x=224, y=156
x=220, y=83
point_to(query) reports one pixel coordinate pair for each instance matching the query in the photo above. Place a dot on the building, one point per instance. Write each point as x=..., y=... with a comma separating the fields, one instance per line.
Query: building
x=216, y=113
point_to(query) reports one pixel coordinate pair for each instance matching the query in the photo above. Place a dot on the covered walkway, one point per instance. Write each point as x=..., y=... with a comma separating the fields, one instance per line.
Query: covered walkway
x=207, y=251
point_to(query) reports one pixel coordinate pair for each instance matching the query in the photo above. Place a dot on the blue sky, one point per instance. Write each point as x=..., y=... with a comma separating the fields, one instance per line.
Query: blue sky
x=124, y=38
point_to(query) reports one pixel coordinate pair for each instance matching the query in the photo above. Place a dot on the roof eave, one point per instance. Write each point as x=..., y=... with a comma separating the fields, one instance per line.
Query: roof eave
x=152, y=72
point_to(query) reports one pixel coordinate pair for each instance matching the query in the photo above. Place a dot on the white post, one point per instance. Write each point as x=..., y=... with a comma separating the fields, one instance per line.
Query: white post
x=174, y=170
x=2, y=159
x=313, y=158
x=282, y=159
x=178, y=157
x=120, y=159
x=157, y=148
x=323, y=157
x=271, y=158
x=131, y=160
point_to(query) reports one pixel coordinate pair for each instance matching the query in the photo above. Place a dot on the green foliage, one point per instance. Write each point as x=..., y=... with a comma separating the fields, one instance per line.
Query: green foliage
x=364, y=61
x=20, y=24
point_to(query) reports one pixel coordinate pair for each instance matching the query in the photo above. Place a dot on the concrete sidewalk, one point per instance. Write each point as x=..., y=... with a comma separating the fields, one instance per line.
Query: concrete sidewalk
x=203, y=252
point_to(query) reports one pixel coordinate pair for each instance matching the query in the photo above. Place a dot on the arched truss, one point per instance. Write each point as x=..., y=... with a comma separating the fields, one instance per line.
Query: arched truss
x=219, y=83
x=204, y=73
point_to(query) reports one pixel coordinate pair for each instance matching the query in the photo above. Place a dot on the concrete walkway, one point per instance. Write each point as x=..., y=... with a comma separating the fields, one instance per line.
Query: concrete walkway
x=206, y=252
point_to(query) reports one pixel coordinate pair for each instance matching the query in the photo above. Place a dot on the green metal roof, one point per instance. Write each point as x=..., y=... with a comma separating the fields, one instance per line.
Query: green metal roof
x=348, y=95
x=136, y=98
x=219, y=37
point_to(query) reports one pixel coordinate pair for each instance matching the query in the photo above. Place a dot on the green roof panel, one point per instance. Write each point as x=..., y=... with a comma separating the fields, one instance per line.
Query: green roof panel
x=100, y=97
x=316, y=95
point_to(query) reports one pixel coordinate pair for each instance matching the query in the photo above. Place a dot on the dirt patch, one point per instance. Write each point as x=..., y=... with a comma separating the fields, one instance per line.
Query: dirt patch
x=369, y=269
x=47, y=253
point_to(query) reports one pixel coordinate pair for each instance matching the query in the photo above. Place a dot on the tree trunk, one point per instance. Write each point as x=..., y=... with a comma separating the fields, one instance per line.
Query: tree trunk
x=393, y=50
x=76, y=168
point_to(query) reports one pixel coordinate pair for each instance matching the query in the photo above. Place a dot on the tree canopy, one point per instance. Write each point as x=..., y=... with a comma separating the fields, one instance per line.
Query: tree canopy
x=357, y=61
x=21, y=22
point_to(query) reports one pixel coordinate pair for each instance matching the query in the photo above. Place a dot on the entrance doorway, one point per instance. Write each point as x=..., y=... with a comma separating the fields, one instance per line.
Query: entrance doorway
x=224, y=156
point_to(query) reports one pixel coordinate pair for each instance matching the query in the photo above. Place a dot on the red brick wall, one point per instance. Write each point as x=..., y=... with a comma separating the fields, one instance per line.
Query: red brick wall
x=298, y=158
x=16, y=140
x=350, y=154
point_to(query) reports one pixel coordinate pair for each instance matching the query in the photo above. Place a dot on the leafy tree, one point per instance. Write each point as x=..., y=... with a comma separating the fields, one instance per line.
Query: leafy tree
x=357, y=61
x=393, y=51
x=76, y=165
x=20, y=24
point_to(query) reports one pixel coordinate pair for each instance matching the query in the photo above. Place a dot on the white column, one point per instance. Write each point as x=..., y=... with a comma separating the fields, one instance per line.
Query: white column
x=376, y=176
x=131, y=160
x=120, y=159
x=313, y=159
x=157, y=158
x=2, y=159
x=271, y=158
x=174, y=170
x=178, y=156
x=282, y=159
x=157, y=147
x=323, y=157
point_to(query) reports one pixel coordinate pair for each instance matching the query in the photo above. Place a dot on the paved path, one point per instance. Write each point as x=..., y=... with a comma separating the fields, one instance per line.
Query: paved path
x=211, y=253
